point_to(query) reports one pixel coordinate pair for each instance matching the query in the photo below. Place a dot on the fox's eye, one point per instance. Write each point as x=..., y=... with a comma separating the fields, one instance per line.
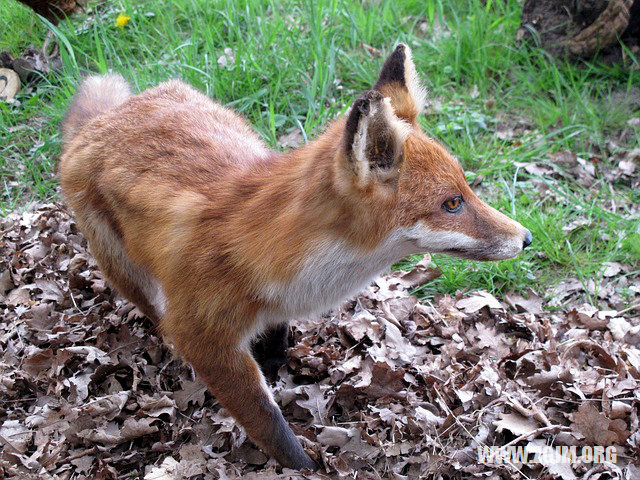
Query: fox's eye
x=453, y=204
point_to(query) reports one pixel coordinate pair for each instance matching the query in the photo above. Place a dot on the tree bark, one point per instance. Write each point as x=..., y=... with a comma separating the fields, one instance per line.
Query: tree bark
x=581, y=28
x=53, y=10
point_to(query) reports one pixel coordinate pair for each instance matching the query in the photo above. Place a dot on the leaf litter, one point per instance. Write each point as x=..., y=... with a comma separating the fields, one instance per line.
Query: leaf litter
x=386, y=386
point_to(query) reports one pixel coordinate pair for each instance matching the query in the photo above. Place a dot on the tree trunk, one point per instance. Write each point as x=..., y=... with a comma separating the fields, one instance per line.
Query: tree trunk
x=582, y=28
x=53, y=10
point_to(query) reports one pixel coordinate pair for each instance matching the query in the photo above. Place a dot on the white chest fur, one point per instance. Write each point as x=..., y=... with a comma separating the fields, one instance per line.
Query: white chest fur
x=333, y=272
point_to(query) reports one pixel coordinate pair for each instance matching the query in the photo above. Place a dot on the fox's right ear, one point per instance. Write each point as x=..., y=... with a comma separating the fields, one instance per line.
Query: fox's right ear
x=373, y=141
x=399, y=81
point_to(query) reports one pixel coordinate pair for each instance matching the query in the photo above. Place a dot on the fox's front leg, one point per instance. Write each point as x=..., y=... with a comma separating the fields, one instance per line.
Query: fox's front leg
x=270, y=349
x=233, y=376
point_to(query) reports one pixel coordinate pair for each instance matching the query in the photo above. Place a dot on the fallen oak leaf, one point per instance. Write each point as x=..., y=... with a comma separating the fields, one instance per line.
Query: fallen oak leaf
x=532, y=304
x=249, y=454
x=399, y=310
x=539, y=169
x=384, y=381
x=83, y=464
x=113, y=435
x=599, y=353
x=50, y=290
x=535, y=433
x=619, y=328
x=465, y=396
x=404, y=350
x=6, y=282
x=516, y=424
x=534, y=412
x=107, y=407
x=621, y=387
x=561, y=470
x=362, y=324
x=91, y=353
x=154, y=407
x=595, y=427
x=166, y=471
x=611, y=269
x=427, y=419
x=360, y=447
x=619, y=426
x=489, y=338
x=19, y=296
x=316, y=404
x=335, y=436
x=38, y=361
x=15, y=435
x=585, y=314
x=477, y=301
x=549, y=380
x=79, y=387
x=420, y=274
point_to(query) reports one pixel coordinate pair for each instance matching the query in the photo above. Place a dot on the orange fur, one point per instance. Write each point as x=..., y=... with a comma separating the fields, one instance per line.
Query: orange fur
x=211, y=233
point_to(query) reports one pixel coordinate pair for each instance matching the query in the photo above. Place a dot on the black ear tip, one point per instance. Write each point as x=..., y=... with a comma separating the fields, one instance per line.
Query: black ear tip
x=364, y=101
x=393, y=68
x=373, y=96
x=362, y=105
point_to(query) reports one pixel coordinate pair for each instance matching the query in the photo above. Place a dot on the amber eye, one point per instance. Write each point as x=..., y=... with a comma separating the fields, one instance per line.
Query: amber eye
x=453, y=204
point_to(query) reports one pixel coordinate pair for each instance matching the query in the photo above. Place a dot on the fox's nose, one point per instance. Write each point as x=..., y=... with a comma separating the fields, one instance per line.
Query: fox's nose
x=528, y=238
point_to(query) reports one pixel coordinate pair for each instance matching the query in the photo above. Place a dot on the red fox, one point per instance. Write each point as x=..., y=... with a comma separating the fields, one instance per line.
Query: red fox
x=220, y=239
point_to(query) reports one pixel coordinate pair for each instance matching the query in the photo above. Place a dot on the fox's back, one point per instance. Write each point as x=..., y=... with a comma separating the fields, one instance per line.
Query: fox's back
x=170, y=132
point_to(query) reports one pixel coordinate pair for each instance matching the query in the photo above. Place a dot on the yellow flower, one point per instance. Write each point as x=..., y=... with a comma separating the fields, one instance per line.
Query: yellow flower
x=122, y=20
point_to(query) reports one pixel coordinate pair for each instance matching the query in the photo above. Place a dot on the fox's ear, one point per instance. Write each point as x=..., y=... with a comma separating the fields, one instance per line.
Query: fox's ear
x=399, y=81
x=373, y=140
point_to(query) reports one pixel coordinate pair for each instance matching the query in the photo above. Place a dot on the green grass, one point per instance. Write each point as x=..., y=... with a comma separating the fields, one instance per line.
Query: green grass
x=298, y=64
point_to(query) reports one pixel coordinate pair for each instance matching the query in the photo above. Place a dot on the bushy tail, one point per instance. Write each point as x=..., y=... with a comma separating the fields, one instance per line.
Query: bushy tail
x=96, y=94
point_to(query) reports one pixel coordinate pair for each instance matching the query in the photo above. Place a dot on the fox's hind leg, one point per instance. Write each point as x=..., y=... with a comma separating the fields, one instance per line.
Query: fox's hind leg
x=131, y=280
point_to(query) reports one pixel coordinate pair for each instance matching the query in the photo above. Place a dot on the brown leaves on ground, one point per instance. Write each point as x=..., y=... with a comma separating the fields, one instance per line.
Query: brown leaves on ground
x=385, y=387
x=596, y=428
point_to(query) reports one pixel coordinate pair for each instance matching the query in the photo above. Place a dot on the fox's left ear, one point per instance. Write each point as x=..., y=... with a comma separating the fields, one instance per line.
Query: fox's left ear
x=373, y=141
x=399, y=81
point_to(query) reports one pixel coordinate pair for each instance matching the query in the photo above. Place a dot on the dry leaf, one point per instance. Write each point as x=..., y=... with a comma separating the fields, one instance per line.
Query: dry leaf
x=516, y=424
x=596, y=427
x=478, y=300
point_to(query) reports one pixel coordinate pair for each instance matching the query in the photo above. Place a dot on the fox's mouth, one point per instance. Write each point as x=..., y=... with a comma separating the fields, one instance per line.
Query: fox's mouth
x=466, y=254
x=478, y=255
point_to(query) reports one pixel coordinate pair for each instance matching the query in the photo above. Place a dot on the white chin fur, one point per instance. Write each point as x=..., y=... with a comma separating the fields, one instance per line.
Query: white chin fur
x=461, y=245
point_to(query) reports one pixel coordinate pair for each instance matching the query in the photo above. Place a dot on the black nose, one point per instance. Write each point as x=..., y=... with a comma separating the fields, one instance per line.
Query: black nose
x=528, y=238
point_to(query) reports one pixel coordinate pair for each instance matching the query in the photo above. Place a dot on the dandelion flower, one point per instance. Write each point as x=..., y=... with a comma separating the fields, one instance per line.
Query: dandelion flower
x=122, y=20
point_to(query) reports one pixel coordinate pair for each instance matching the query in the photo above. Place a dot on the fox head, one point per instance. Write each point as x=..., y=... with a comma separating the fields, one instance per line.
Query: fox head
x=386, y=159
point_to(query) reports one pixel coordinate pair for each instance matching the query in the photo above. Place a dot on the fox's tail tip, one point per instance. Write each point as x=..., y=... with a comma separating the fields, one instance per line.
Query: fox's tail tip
x=96, y=94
